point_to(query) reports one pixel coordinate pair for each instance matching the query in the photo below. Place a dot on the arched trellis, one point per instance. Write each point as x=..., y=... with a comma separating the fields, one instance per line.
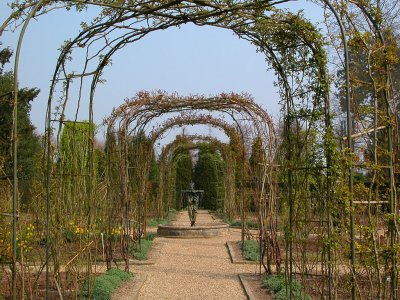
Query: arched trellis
x=232, y=134
x=229, y=19
x=135, y=115
x=145, y=106
x=170, y=151
x=221, y=16
x=192, y=119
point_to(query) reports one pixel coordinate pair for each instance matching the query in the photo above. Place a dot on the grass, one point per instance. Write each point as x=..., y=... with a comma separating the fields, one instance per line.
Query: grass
x=105, y=285
x=155, y=221
x=279, y=288
x=141, y=250
x=251, y=250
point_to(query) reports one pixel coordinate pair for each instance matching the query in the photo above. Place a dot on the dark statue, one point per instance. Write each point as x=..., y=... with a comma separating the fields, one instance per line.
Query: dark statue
x=193, y=198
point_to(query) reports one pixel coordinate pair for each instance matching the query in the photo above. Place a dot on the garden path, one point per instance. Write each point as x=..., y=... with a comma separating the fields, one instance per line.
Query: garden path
x=193, y=268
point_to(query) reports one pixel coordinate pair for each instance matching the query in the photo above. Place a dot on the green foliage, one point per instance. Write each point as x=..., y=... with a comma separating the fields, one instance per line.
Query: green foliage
x=208, y=176
x=141, y=249
x=251, y=250
x=69, y=235
x=99, y=162
x=143, y=169
x=256, y=164
x=151, y=236
x=296, y=295
x=155, y=222
x=74, y=146
x=274, y=283
x=123, y=276
x=279, y=287
x=257, y=155
x=238, y=223
x=153, y=176
x=105, y=284
x=28, y=141
x=183, y=175
x=5, y=55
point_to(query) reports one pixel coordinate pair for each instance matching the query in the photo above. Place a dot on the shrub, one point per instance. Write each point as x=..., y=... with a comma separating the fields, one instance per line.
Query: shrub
x=277, y=285
x=251, y=250
x=123, y=276
x=274, y=283
x=105, y=284
x=296, y=295
x=102, y=289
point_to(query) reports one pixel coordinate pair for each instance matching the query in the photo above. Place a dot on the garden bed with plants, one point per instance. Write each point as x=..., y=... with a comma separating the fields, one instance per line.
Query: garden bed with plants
x=101, y=288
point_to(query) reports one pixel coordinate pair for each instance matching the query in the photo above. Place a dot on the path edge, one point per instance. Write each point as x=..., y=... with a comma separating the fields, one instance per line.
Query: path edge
x=133, y=286
x=246, y=288
x=234, y=255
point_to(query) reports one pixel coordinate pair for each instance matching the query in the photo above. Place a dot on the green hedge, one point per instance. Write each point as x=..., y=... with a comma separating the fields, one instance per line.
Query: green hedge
x=105, y=284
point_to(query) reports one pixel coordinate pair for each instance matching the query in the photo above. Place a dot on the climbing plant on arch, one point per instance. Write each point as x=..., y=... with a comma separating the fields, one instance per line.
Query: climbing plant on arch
x=308, y=166
x=134, y=115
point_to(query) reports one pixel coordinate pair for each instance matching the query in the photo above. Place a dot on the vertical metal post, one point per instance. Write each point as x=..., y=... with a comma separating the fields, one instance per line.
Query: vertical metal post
x=392, y=191
x=242, y=192
x=15, y=151
x=349, y=142
x=242, y=216
x=15, y=181
x=392, y=225
x=289, y=250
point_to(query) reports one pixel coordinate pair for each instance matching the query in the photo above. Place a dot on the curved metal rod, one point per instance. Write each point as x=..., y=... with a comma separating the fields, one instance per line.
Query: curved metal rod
x=350, y=147
x=15, y=148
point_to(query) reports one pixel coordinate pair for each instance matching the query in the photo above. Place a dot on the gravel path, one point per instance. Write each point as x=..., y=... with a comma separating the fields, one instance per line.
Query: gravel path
x=197, y=268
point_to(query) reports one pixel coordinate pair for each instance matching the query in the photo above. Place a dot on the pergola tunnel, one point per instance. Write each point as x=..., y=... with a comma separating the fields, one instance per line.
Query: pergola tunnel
x=316, y=189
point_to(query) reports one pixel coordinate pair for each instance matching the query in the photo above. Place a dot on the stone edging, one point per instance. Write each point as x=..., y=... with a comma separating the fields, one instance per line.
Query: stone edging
x=236, y=258
x=243, y=278
x=207, y=230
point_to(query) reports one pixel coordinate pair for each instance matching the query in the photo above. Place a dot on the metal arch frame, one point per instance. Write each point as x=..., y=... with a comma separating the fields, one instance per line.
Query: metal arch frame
x=348, y=104
x=189, y=143
x=192, y=119
x=349, y=146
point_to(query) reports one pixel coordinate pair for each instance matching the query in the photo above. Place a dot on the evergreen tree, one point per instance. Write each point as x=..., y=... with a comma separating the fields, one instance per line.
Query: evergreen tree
x=183, y=175
x=28, y=141
x=208, y=176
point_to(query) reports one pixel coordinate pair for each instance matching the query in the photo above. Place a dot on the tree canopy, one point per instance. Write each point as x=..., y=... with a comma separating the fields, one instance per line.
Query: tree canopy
x=28, y=140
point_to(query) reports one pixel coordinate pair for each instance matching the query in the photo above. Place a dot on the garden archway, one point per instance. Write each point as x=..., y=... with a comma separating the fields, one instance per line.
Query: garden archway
x=293, y=47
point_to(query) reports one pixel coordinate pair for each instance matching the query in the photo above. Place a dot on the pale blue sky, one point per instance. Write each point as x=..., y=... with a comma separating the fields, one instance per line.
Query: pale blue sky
x=189, y=60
